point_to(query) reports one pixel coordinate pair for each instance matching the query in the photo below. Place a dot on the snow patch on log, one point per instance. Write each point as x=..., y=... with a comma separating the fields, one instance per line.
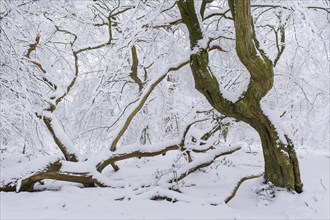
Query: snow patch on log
x=11, y=175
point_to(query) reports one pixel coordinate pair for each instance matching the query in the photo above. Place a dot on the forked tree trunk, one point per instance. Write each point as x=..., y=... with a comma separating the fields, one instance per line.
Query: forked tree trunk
x=281, y=164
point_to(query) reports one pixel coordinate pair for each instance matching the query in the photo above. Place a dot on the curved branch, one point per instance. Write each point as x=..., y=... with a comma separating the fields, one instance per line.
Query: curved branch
x=138, y=153
x=319, y=8
x=73, y=81
x=239, y=183
x=33, y=47
x=165, y=25
x=222, y=14
x=134, y=68
x=188, y=128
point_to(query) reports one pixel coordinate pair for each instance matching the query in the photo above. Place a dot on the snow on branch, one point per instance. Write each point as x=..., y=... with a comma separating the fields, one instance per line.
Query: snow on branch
x=11, y=175
x=164, y=191
x=145, y=151
x=60, y=137
x=203, y=162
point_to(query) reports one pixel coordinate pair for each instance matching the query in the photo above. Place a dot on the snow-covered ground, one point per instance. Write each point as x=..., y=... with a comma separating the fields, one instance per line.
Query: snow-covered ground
x=205, y=189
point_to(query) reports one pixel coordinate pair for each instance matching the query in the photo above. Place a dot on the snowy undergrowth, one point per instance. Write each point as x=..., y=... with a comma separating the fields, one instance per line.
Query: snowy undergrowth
x=203, y=192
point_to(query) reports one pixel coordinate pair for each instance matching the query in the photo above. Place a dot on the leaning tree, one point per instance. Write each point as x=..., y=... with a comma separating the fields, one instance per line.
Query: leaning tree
x=281, y=163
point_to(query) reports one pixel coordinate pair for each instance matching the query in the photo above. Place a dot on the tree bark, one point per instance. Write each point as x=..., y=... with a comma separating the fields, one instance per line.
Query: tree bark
x=281, y=164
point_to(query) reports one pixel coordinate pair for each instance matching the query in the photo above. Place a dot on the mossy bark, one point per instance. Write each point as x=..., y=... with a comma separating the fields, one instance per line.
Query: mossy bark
x=134, y=68
x=281, y=164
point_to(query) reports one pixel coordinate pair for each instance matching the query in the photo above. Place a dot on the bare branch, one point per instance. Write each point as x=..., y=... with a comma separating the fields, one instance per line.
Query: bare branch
x=33, y=47
x=166, y=25
x=138, y=153
x=222, y=14
x=280, y=46
x=73, y=81
x=239, y=183
x=134, y=68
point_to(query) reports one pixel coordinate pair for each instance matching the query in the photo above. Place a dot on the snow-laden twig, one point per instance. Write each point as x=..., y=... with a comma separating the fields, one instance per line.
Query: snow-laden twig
x=203, y=162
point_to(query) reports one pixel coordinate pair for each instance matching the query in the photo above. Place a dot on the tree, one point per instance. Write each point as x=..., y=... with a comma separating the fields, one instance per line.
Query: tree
x=281, y=164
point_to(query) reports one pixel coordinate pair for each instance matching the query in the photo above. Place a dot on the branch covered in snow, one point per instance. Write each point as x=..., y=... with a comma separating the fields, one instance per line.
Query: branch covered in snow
x=146, y=151
x=203, y=162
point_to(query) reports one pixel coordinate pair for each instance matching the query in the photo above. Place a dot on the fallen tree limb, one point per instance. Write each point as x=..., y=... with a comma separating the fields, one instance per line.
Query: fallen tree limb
x=87, y=173
x=198, y=164
x=239, y=183
x=137, y=153
x=28, y=183
x=145, y=152
x=149, y=151
x=11, y=175
x=52, y=171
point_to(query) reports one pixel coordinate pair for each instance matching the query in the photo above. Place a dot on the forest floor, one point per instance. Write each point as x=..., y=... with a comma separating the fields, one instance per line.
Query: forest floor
x=204, y=192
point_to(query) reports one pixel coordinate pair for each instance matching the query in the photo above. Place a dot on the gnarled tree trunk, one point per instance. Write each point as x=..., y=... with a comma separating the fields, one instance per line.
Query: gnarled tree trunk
x=281, y=164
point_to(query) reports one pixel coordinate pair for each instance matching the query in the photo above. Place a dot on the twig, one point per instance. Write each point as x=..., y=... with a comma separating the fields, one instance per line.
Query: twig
x=323, y=185
x=239, y=184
